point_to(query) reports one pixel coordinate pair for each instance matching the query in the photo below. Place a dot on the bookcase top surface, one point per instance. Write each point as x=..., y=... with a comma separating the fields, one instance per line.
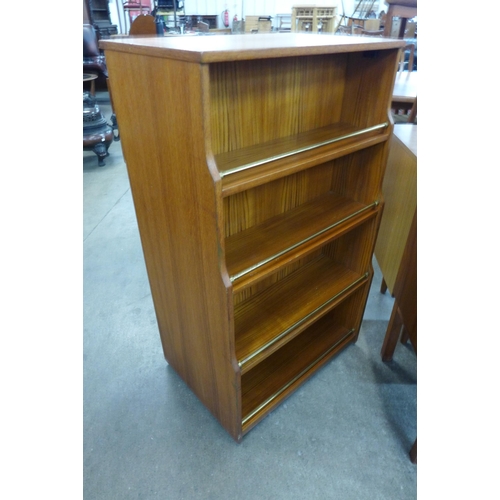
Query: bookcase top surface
x=220, y=48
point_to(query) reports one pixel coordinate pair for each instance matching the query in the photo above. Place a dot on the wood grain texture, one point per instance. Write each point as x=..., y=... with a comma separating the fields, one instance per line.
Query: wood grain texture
x=299, y=359
x=262, y=321
x=256, y=244
x=400, y=194
x=191, y=108
x=210, y=49
x=177, y=213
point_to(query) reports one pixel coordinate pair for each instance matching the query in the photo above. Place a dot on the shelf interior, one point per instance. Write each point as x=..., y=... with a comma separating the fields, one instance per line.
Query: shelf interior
x=273, y=317
x=267, y=384
x=251, y=250
x=231, y=162
x=274, y=116
x=271, y=225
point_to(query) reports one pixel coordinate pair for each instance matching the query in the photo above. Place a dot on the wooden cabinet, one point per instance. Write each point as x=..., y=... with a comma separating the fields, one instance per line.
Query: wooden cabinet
x=256, y=165
x=318, y=19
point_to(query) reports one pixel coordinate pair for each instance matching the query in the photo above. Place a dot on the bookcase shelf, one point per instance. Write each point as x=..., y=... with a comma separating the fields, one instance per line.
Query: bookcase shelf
x=256, y=167
x=288, y=234
x=332, y=138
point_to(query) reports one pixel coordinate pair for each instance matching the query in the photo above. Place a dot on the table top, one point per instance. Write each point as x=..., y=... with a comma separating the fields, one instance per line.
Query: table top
x=407, y=134
x=89, y=76
x=405, y=86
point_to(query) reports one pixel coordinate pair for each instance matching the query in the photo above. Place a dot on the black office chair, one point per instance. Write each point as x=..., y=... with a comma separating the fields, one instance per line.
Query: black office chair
x=93, y=60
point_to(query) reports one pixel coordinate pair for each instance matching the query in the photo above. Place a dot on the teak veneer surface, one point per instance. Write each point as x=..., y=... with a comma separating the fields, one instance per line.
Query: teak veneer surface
x=209, y=49
x=190, y=109
x=400, y=194
x=291, y=363
x=279, y=310
x=254, y=246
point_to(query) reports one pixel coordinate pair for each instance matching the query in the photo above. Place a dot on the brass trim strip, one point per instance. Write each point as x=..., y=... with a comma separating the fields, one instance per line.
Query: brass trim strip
x=283, y=252
x=301, y=321
x=297, y=377
x=257, y=163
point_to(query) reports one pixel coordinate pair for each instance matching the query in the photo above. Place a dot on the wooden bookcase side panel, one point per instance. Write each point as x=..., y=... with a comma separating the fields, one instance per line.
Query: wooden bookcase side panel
x=286, y=370
x=369, y=83
x=254, y=102
x=175, y=199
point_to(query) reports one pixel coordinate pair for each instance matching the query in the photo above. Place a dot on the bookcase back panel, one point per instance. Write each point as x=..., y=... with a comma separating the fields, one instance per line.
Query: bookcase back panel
x=357, y=177
x=265, y=283
x=254, y=206
x=252, y=102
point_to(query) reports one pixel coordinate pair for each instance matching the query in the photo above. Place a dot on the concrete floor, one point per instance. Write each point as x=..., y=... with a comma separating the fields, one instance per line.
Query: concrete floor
x=344, y=435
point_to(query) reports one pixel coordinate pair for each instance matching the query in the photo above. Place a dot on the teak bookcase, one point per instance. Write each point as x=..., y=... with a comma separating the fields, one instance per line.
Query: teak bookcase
x=256, y=164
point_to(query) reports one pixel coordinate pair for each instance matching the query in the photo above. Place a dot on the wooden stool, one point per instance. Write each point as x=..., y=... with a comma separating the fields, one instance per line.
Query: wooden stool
x=90, y=77
x=405, y=9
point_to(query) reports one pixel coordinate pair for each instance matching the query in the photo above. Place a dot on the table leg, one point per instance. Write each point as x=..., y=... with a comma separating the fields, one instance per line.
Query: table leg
x=392, y=334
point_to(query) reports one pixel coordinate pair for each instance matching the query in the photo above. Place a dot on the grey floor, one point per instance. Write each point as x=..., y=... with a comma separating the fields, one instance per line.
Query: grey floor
x=343, y=435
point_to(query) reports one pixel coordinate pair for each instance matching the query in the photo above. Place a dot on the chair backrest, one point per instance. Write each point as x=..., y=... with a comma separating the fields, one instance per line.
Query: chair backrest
x=143, y=24
x=90, y=47
x=411, y=48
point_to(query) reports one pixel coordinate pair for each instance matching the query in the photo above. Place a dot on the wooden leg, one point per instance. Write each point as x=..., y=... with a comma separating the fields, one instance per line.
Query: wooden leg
x=392, y=334
x=383, y=286
x=413, y=452
x=412, y=117
x=404, y=335
x=388, y=21
x=402, y=27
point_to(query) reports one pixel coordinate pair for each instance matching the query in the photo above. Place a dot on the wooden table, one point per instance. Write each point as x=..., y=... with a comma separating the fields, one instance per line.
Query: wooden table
x=405, y=86
x=396, y=247
x=404, y=94
x=399, y=189
x=405, y=9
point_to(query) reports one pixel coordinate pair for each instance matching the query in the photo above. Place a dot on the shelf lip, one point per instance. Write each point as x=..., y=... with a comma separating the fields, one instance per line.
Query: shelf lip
x=235, y=277
x=303, y=149
x=295, y=379
x=297, y=324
